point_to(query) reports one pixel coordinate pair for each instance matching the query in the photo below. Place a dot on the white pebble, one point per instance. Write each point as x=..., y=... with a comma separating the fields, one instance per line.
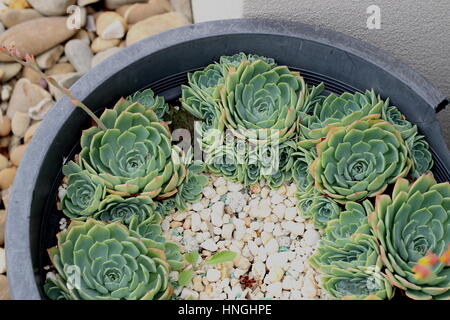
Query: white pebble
x=209, y=245
x=217, y=211
x=213, y=275
x=290, y=213
x=274, y=290
x=294, y=228
x=311, y=237
x=227, y=231
x=272, y=246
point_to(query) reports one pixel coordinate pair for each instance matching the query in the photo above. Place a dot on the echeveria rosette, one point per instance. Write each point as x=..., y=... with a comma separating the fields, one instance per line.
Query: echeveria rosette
x=98, y=261
x=336, y=111
x=84, y=192
x=190, y=191
x=134, y=154
x=394, y=116
x=224, y=161
x=165, y=206
x=361, y=251
x=408, y=224
x=114, y=208
x=420, y=154
x=278, y=162
x=302, y=158
x=360, y=160
x=236, y=59
x=150, y=230
x=320, y=209
x=148, y=99
x=261, y=102
x=357, y=284
x=353, y=220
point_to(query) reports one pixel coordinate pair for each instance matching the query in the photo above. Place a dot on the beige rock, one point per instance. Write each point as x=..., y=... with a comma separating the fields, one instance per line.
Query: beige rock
x=20, y=123
x=99, y=57
x=2, y=261
x=77, y=18
x=66, y=80
x=83, y=3
x=6, y=92
x=111, y=25
x=4, y=163
x=5, y=125
x=52, y=7
x=183, y=6
x=17, y=153
x=18, y=4
x=9, y=70
x=2, y=226
x=31, y=75
x=83, y=35
x=60, y=68
x=5, y=197
x=39, y=111
x=140, y=11
x=12, y=17
x=155, y=25
x=50, y=57
x=25, y=95
x=31, y=131
x=114, y=4
x=100, y=44
x=36, y=36
x=4, y=288
x=7, y=177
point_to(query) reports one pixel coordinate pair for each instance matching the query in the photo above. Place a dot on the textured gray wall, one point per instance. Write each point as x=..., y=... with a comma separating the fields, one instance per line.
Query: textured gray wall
x=416, y=32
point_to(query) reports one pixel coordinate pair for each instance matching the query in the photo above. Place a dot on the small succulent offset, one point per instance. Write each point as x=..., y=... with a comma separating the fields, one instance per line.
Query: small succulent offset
x=357, y=284
x=134, y=154
x=335, y=111
x=98, y=261
x=148, y=99
x=114, y=208
x=321, y=209
x=190, y=190
x=354, y=220
x=420, y=155
x=408, y=224
x=360, y=160
x=84, y=193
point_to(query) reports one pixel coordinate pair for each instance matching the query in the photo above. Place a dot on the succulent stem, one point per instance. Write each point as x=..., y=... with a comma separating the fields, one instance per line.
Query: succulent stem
x=29, y=61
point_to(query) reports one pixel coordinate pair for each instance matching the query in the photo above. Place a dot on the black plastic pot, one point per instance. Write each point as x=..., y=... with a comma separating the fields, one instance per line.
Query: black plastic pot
x=161, y=63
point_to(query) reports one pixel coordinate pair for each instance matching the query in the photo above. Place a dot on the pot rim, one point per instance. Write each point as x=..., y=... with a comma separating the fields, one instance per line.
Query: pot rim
x=21, y=276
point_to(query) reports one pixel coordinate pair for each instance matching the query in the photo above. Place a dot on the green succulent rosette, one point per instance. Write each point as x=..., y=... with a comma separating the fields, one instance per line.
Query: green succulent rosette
x=413, y=221
x=277, y=162
x=302, y=158
x=261, y=102
x=336, y=111
x=148, y=99
x=150, y=230
x=98, y=261
x=360, y=160
x=236, y=59
x=83, y=194
x=420, y=154
x=353, y=220
x=357, y=284
x=322, y=210
x=114, y=208
x=134, y=154
x=190, y=191
x=225, y=161
x=361, y=251
x=395, y=117
x=165, y=206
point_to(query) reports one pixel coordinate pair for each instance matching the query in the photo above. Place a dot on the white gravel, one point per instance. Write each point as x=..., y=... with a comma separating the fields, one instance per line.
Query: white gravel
x=263, y=226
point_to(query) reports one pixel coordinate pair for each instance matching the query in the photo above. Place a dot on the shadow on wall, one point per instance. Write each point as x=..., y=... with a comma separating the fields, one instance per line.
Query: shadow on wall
x=416, y=34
